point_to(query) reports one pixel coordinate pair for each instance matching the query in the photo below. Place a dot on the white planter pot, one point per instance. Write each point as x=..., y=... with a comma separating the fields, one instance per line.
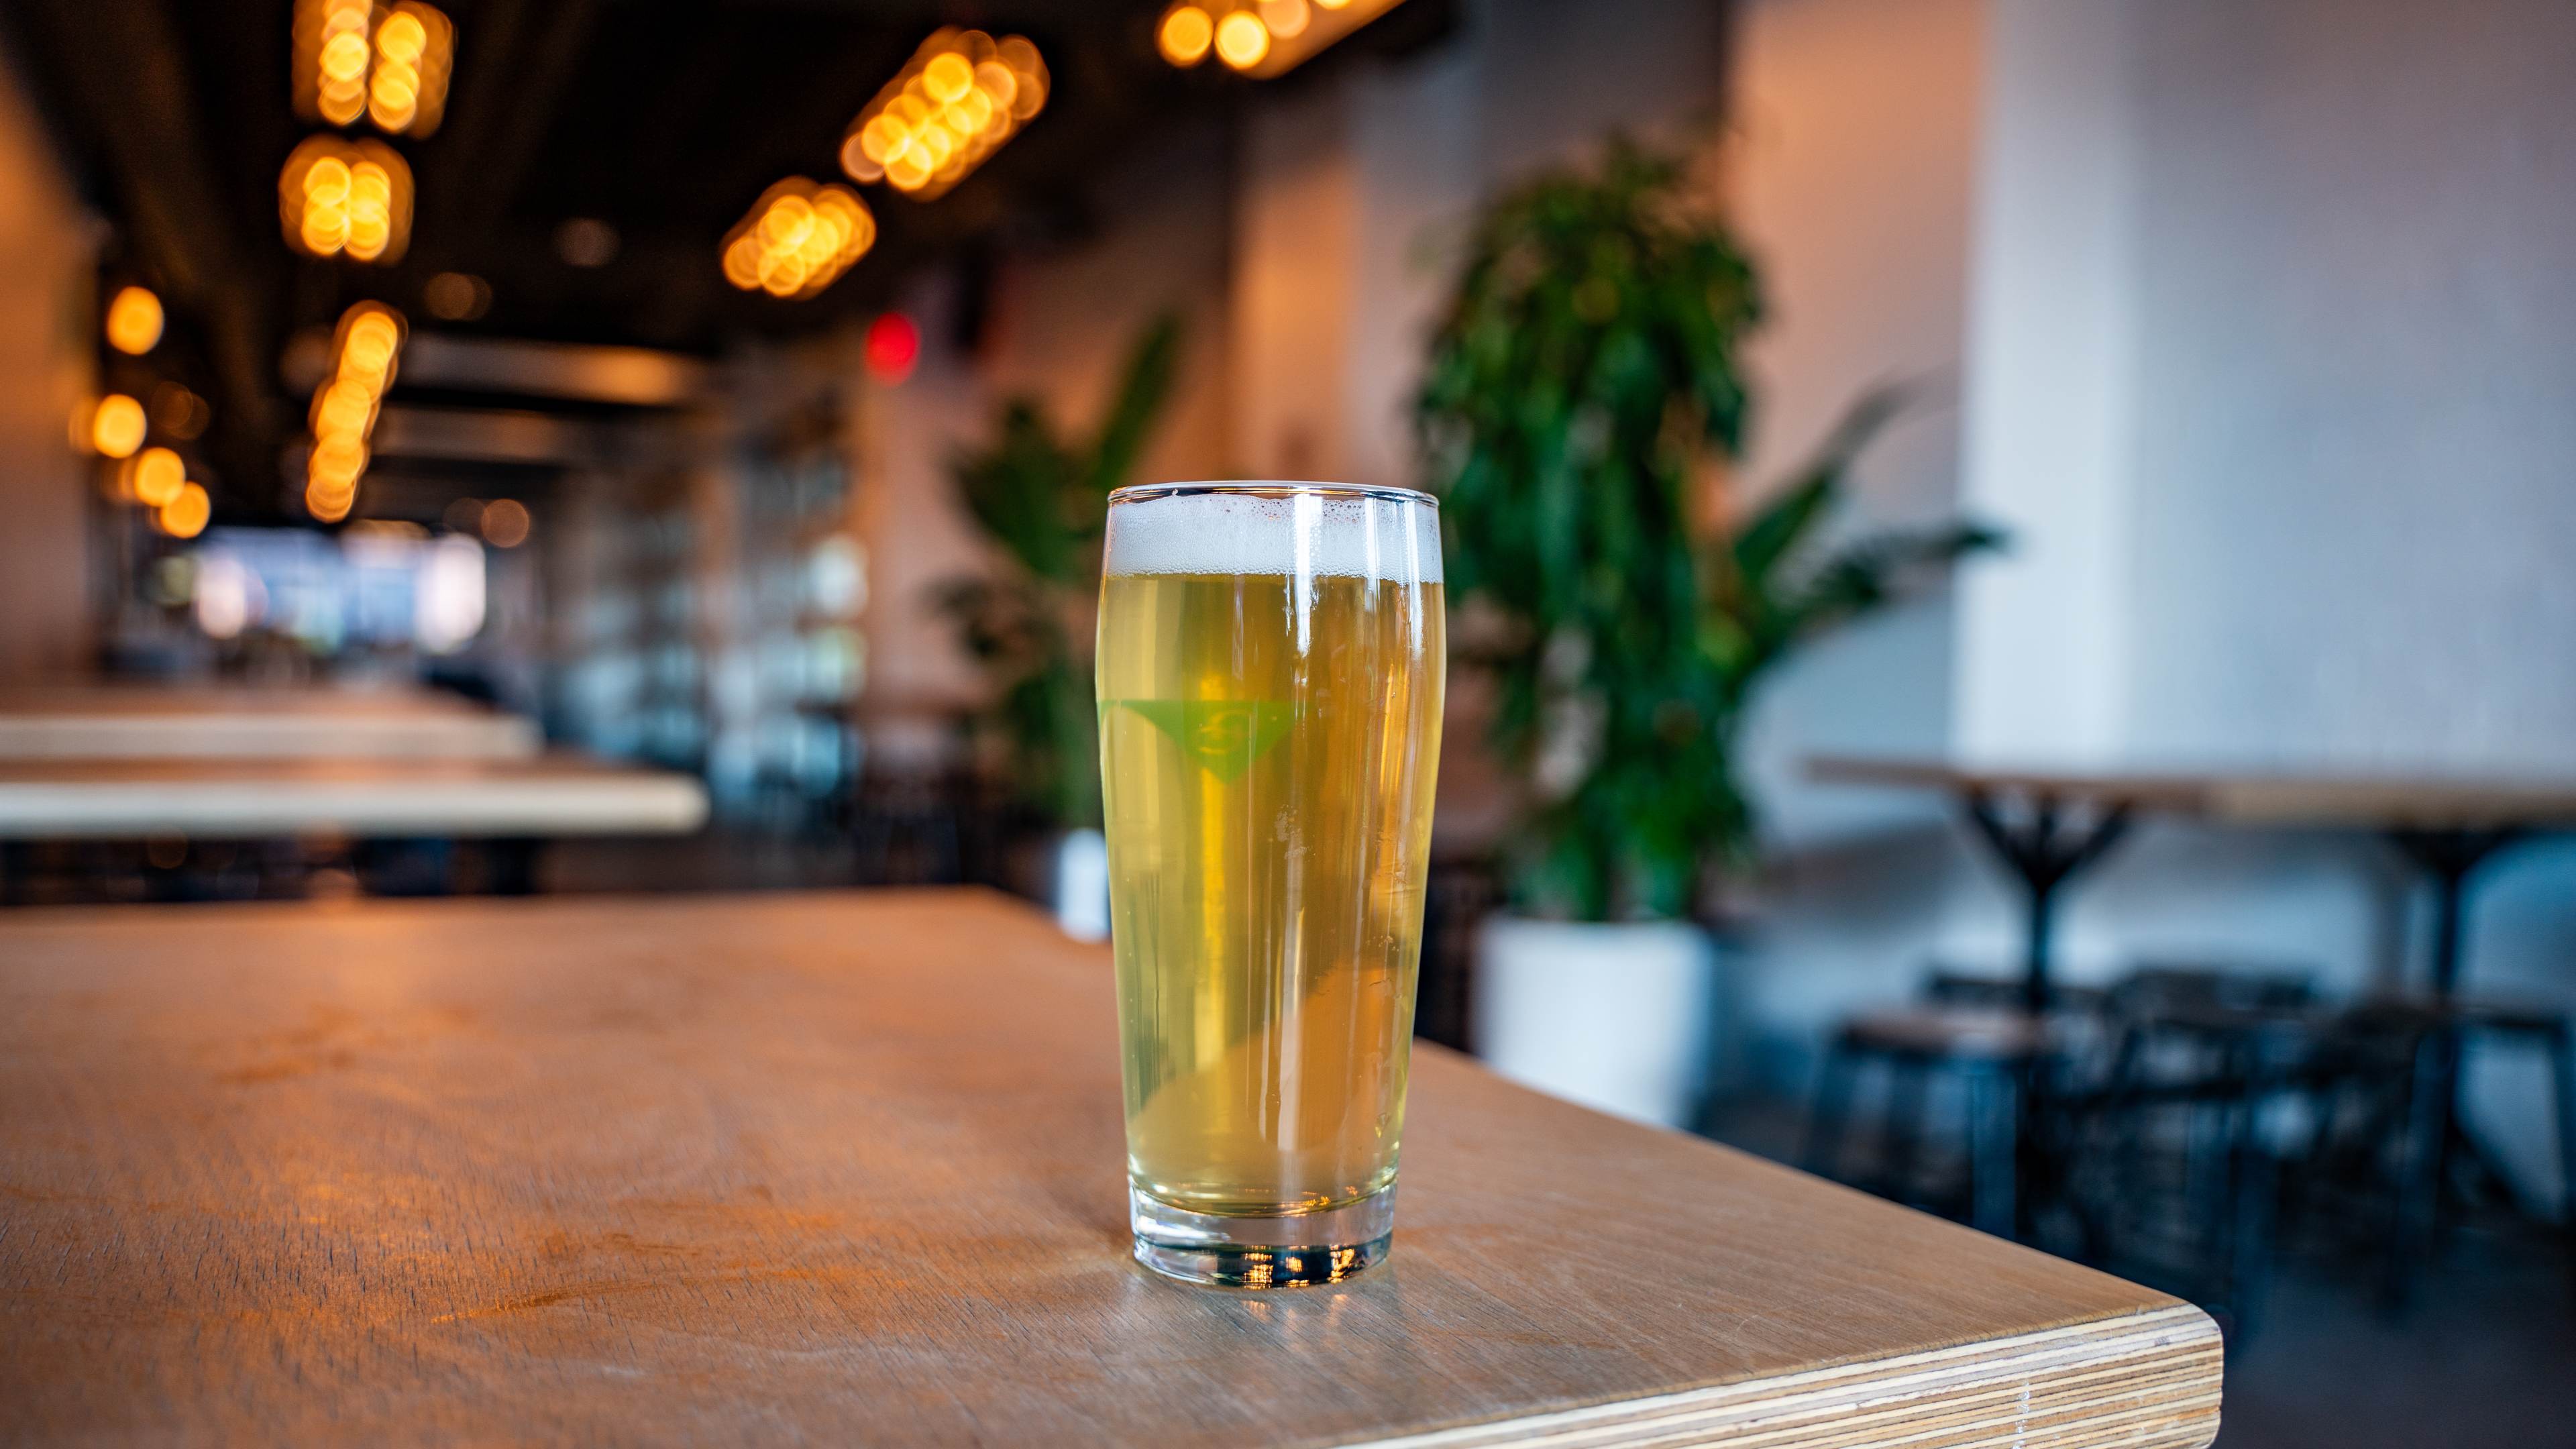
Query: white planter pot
x=1615, y=1017
x=1079, y=884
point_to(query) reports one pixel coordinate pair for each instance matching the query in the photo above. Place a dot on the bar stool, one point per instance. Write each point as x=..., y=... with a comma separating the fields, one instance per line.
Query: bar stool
x=2239, y=987
x=906, y=828
x=2378, y=1085
x=2197, y=1055
x=2450, y=1022
x=2554, y=1033
x=1993, y=1051
x=1949, y=986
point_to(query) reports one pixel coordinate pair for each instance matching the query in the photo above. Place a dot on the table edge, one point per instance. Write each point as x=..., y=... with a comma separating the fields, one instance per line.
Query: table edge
x=2149, y=1380
x=246, y=805
x=2320, y=798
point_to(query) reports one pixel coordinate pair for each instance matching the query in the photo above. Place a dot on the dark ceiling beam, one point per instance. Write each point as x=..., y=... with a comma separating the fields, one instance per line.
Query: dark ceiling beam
x=627, y=376
x=485, y=435
x=517, y=64
x=123, y=77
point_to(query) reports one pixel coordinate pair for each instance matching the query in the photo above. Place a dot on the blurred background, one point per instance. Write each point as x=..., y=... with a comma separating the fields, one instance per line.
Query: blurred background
x=2009, y=559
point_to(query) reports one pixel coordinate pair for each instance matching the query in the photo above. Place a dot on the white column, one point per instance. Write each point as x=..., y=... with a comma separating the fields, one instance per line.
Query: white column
x=2051, y=326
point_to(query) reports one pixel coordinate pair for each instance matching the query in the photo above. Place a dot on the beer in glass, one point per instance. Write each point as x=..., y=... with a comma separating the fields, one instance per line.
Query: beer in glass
x=1270, y=670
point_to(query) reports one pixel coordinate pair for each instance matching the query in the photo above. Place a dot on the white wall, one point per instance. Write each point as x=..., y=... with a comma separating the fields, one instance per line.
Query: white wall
x=1847, y=172
x=2043, y=641
x=1298, y=215
x=2272, y=338
x=1849, y=169
x=2355, y=447
x=1063, y=321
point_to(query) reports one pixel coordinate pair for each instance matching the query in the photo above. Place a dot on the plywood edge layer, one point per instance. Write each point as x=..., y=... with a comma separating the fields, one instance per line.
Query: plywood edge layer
x=2146, y=1380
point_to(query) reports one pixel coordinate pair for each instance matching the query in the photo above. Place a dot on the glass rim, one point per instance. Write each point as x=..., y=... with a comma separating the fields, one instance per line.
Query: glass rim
x=1267, y=488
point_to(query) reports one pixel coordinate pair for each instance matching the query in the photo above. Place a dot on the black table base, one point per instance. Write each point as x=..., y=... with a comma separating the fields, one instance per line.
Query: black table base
x=2045, y=845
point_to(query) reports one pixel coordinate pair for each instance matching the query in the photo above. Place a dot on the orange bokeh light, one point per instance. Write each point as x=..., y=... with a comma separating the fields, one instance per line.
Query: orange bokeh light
x=1185, y=35
x=1242, y=40
x=505, y=523
x=155, y=477
x=134, y=321
x=116, y=426
x=186, y=516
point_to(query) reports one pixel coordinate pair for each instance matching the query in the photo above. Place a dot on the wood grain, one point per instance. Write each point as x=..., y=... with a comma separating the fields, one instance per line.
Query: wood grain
x=126, y=722
x=848, y=1168
x=2249, y=797
x=248, y=799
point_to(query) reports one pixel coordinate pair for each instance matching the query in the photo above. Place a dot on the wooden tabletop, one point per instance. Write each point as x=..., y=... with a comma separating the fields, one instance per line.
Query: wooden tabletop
x=2429, y=800
x=249, y=799
x=108, y=722
x=849, y=1169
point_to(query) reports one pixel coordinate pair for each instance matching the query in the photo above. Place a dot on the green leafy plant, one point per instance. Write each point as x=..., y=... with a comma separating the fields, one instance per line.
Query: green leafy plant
x=1582, y=380
x=1042, y=498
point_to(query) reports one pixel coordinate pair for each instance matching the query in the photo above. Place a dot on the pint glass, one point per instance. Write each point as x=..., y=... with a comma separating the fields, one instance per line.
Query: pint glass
x=1270, y=671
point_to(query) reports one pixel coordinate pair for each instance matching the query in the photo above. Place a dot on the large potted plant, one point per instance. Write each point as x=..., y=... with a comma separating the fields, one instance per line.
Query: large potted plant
x=1582, y=384
x=1041, y=497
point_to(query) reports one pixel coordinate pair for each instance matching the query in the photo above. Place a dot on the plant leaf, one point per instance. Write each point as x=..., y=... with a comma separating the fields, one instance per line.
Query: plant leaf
x=1877, y=570
x=1041, y=500
x=1776, y=530
x=1143, y=387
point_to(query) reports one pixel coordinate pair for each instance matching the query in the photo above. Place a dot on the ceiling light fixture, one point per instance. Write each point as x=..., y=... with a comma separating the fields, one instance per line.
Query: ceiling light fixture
x=388, y=63
x=798, y=239
x=350, y=198
x=345, y=406
x=960, y=97
x=1260, y=38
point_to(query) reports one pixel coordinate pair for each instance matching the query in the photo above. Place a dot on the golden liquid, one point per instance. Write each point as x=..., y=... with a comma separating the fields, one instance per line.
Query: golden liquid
x=1267, y=758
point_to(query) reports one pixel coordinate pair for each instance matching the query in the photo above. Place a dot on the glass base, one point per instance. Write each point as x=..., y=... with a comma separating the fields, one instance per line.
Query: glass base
x=1292, y=1250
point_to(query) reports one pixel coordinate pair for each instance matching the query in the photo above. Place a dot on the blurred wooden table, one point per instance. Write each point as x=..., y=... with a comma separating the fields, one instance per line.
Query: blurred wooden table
x=121, y=721
x=243, y=799
x=849, y=1168
x=2447, y=824
x=2243, y=797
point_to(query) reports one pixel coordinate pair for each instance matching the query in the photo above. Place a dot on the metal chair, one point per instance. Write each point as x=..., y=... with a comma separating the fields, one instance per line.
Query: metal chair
x=1948, y=986
x=2174, y=1176
x=2444, y=1161
x=1994, y=1052
x=906, y=829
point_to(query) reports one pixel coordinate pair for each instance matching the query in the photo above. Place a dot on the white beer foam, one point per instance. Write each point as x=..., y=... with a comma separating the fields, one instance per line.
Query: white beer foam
x=1347, y=536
